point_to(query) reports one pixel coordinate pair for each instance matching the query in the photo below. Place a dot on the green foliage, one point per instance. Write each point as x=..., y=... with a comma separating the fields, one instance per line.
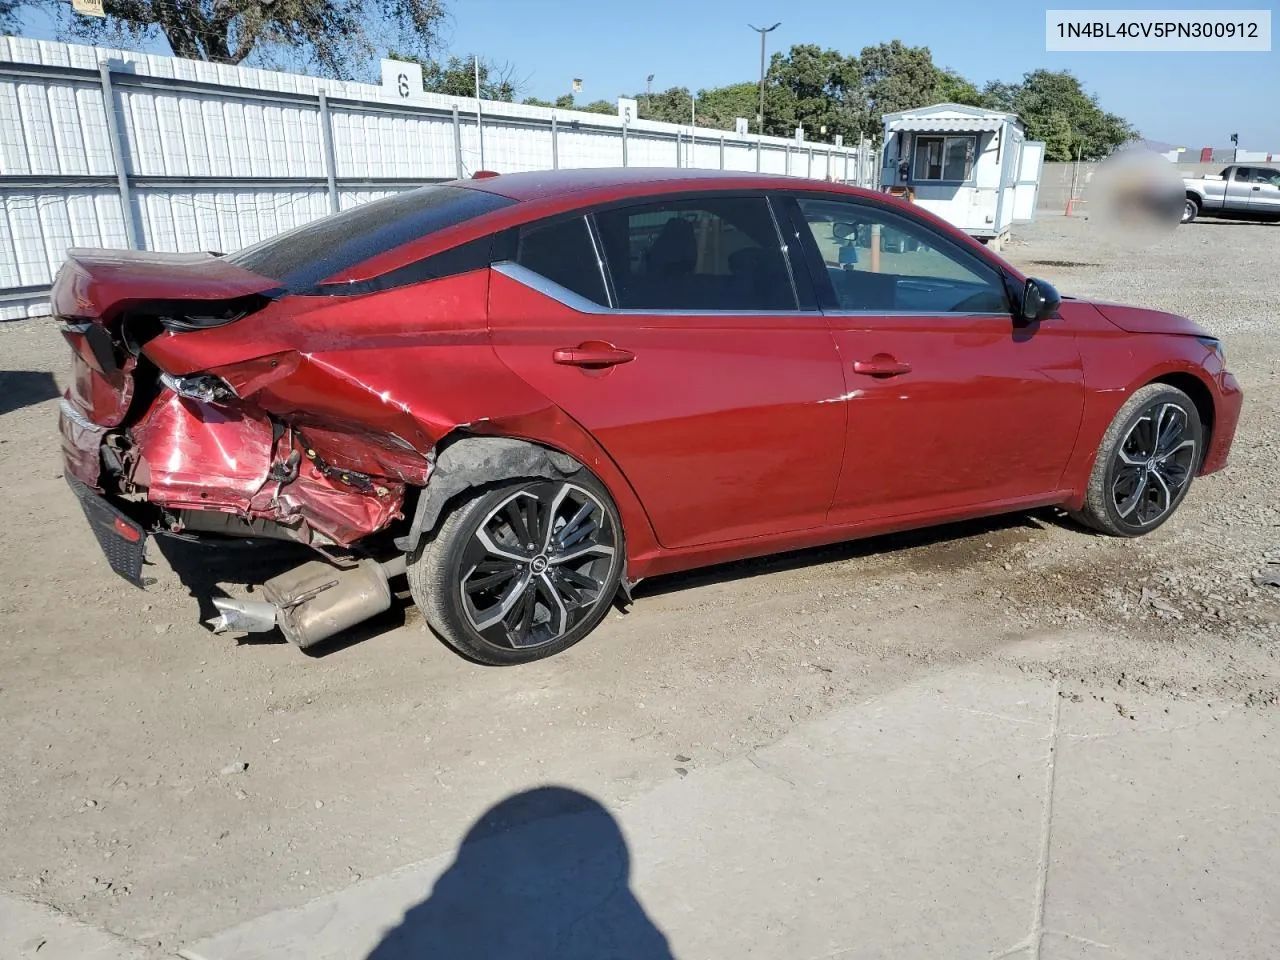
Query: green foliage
x=813, y=88
x=566, y=102
x=896, y=77
x=953, y=88
x=335, y=36
x=719, y=107
x=1054, y=108
x=457, y=77
x=669, y=106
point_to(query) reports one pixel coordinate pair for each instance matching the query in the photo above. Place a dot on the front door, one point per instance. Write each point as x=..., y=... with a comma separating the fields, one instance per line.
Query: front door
x=1264, y=193
x=687, y=358
x=951, y=407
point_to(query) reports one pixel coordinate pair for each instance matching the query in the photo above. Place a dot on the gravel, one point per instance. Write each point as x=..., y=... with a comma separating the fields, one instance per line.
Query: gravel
x=406, y=743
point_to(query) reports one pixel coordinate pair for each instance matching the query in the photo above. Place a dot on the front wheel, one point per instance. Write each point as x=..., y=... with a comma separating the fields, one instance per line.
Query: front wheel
x=521, y=572
x=1190, y=210
x=1145, y=463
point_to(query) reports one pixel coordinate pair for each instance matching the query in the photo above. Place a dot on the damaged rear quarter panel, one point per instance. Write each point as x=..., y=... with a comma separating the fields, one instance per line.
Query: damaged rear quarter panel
x=374, y=382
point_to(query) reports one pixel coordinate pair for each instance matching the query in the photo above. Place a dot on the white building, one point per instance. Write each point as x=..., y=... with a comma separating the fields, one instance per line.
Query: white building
x=972, y=167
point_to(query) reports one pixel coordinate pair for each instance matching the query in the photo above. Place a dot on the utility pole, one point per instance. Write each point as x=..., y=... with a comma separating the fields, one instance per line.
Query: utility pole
x=648, y=91
x=762, y=31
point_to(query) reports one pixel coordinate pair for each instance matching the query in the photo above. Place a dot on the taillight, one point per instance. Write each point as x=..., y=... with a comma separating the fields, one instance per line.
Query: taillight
x=205, y=387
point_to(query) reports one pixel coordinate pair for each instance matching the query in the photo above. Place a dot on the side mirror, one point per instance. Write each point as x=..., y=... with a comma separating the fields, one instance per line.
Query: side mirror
x=844, y=231
x=1040, y=300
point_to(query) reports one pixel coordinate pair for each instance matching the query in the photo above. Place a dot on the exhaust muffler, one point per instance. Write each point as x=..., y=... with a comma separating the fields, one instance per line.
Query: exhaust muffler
x=314, y=601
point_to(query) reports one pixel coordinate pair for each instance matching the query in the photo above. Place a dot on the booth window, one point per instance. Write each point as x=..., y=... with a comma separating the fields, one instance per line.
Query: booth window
x=944, y=158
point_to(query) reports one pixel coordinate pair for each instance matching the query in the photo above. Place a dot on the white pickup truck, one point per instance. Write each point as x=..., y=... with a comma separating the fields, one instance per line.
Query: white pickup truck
x=1238, y=193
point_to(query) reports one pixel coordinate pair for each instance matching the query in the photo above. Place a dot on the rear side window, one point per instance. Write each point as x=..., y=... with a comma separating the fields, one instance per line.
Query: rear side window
x=311, y=253
x=710, y=253
x=564, y=254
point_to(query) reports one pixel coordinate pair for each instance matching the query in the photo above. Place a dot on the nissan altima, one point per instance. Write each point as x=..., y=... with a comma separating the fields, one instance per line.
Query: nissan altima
x=527, y=392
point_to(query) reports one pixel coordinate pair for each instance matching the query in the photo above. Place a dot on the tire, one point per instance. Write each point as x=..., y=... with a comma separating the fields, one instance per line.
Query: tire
x=1190, y=209
x=491, y=595
x=1145, y=464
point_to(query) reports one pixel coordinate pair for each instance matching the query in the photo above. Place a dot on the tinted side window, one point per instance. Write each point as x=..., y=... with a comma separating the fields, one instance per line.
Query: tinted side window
x=564, y=254
x=876, y=260
x=712, y=253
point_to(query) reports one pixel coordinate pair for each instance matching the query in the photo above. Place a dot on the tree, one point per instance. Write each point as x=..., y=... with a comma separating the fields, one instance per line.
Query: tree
x=9, y=16
x=566, y=102
x=719, y=107
x=953, y=88
x=896, y=77
x=457, y=77
x=1054, y=107
x=812, y=88
x=333, y=35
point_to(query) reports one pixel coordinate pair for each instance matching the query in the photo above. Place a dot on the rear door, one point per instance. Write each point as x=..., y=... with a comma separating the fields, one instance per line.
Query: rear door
x=951, y=407
x=1239, y=189
x=672, y=331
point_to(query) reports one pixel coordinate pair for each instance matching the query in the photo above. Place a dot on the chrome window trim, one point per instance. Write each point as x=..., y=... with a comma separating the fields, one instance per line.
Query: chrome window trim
x=924, y=314
x=574, y=301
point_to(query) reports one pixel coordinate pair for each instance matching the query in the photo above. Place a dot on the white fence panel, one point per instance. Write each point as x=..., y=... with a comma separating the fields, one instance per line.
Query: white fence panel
x=197, y=156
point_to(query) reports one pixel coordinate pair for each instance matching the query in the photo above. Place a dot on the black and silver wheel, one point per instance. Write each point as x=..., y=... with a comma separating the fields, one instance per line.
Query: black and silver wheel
x=521, y=572
x=1190, y=210
x=1145, y=463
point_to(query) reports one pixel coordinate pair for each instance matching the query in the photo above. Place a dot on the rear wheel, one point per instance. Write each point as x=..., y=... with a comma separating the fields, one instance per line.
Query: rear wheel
x=521, y=572
x=1145, y=463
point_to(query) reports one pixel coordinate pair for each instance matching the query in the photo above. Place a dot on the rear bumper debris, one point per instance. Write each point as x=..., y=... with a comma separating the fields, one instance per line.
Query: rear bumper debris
x=123, y=539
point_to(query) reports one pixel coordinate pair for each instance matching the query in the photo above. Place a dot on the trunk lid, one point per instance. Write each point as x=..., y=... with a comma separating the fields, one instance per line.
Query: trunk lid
x=111, y=301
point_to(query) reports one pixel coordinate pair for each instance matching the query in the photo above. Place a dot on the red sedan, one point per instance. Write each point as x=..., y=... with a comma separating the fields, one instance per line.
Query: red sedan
x=529, y=392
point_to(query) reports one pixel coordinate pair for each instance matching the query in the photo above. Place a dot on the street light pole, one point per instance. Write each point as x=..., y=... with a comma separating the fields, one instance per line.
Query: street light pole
x=762, y=31
x=648, y=91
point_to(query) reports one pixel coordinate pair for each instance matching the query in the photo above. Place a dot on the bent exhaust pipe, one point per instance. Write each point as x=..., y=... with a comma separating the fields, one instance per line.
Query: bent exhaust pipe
x=314, y=601
x=242, y=616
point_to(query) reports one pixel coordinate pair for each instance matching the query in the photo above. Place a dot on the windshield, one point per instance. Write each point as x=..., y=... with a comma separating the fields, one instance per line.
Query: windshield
x=315, y=251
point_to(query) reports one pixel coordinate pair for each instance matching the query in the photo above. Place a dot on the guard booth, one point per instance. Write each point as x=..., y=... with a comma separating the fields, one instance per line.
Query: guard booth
x=973, y=168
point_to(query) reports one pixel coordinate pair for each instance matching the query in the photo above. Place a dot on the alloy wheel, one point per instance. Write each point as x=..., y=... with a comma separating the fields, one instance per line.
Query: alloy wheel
x=538, y=565
x=1188, y=211
x=1153, y=465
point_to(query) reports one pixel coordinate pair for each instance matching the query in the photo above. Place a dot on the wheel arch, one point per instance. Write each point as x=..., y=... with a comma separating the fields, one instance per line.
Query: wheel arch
x=467, y=461
x=1106, y=404
x=1200, y=395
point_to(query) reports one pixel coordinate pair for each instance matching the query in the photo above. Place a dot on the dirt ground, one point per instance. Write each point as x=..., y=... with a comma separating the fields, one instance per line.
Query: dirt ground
x=125, y=720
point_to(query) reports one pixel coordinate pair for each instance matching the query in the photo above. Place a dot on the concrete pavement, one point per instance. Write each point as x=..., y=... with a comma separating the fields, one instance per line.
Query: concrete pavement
x=980, y=813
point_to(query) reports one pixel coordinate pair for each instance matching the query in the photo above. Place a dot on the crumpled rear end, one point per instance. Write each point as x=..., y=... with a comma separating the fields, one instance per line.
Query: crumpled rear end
x=190, y=455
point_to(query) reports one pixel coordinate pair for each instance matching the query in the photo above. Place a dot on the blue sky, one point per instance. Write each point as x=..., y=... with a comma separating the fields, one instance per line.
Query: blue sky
x=1188, y=99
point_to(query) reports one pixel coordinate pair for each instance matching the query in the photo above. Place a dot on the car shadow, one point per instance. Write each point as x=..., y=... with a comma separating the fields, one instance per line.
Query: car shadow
x=956, y=535
x=204, y=566
x=543, y=874
x=24, y=388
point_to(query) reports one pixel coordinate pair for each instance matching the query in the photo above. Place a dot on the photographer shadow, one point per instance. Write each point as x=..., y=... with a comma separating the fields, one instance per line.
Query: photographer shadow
x=543, y=874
